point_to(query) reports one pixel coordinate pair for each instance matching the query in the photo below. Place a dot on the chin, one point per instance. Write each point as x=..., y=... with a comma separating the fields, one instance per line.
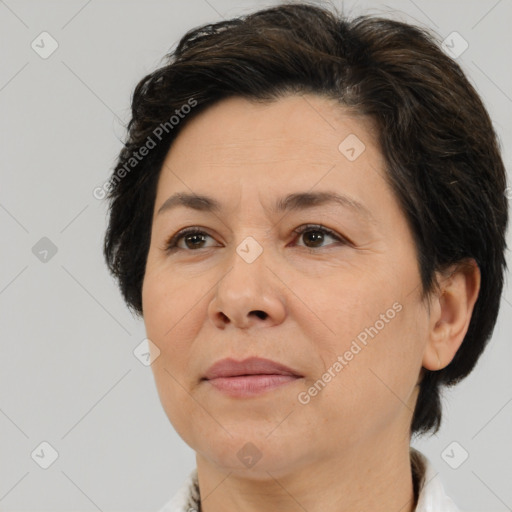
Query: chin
x=251, y=454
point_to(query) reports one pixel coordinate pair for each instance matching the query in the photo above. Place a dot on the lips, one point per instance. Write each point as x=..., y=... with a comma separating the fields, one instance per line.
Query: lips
x=250, y=378
x=251, y=366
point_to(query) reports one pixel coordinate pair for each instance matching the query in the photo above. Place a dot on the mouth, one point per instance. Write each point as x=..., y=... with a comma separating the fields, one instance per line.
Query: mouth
x=249, y=377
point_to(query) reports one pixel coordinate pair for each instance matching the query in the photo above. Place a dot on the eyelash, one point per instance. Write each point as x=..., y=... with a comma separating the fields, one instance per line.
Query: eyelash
x=172, y=243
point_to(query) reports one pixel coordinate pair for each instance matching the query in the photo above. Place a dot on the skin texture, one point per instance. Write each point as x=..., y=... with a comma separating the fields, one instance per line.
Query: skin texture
x=347, y=448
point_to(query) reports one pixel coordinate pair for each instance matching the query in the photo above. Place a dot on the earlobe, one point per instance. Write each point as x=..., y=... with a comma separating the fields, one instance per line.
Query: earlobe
x=439, y=362
x=450, y=314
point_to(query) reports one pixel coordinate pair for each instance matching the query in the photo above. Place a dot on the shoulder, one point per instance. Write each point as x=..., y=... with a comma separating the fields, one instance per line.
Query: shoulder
x=186, y=498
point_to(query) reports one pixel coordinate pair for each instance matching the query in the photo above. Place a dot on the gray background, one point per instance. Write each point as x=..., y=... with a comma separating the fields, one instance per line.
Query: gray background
x=68, y=375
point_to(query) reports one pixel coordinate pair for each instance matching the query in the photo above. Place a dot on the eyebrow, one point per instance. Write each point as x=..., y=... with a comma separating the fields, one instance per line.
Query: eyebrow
x=292, y=202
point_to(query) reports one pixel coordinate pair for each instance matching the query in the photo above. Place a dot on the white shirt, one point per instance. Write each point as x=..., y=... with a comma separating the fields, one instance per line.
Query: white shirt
x=431, y=498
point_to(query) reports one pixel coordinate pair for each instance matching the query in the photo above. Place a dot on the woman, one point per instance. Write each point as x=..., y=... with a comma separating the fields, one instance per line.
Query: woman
x=309, y=214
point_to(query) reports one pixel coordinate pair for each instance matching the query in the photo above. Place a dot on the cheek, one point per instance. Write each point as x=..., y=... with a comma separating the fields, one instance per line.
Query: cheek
x=379, y=340
x=166, y=301
x=168, y=319
x=351, y=309
x=169, y=326
x=174, y=313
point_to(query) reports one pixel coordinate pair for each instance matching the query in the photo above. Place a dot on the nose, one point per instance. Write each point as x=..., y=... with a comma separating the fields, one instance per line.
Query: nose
x=248, y=295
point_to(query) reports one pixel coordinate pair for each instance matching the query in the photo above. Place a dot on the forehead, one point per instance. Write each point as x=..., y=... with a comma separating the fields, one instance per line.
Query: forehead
x=239, y=148
x=295, y=139
x=307, y=127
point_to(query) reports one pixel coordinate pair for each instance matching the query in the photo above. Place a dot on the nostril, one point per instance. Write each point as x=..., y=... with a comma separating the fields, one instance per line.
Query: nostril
x=260, y=314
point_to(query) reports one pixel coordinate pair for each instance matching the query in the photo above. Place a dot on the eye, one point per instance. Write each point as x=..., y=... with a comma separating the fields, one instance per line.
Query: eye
x=315, y=235
x=192, y=237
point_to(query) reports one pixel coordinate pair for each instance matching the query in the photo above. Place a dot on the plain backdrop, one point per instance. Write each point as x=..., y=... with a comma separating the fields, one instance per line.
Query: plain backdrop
x=68, y=376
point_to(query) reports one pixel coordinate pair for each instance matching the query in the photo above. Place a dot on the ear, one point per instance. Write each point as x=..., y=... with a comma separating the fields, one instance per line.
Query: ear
x=450, y=313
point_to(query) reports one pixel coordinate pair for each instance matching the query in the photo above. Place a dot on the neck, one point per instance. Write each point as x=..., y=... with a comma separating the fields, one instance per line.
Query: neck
x=378, y=478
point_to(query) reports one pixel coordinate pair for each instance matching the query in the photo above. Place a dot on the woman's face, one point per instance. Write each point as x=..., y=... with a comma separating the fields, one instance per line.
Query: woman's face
x=342, y=310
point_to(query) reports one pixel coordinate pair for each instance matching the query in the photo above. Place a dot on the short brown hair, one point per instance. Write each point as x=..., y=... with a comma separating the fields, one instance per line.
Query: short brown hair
x=442, y=154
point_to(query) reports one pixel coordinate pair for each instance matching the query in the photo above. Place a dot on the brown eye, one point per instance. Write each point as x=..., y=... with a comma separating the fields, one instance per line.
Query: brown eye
x=314, y=236
x=193, y=239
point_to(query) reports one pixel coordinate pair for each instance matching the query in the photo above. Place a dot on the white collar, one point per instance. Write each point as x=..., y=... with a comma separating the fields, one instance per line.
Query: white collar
x=432, y=497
